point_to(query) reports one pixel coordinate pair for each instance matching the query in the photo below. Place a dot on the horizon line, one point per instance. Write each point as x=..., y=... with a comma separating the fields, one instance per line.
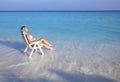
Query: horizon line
x=58, y=10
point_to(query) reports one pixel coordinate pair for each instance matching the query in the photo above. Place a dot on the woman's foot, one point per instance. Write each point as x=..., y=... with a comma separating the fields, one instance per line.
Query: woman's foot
x=49, y=44
x=52, y=49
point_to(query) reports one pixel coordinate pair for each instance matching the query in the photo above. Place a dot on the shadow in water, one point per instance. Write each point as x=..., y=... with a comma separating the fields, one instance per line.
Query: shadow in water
x=77, y=77
x=8, y=76
x=20, y=46
x=65, y=77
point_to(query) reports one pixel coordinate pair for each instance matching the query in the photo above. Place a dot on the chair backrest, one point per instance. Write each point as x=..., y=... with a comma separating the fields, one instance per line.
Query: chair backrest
x=24, y=37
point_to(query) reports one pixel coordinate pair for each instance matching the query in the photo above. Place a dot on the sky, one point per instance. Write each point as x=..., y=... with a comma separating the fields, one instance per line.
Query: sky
x=59, y=5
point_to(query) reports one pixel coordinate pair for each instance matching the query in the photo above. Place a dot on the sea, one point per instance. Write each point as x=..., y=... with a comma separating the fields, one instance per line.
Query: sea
x=83, y=26
x=88, y=41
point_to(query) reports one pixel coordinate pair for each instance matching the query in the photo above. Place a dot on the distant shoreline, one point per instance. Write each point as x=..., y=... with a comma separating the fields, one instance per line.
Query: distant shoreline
x=59, y=10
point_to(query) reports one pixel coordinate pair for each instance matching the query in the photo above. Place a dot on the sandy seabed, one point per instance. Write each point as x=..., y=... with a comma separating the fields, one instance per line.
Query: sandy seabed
x=69, y=63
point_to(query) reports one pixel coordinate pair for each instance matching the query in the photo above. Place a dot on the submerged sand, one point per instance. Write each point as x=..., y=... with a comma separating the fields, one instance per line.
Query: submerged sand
x=69, y=63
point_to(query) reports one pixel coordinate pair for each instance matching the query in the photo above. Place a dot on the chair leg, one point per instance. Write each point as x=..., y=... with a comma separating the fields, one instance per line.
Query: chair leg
x=26, y=49
x=41, y=50
x=32, y=51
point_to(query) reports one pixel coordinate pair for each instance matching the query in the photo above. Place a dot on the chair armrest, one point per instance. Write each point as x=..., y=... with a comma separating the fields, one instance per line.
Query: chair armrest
x=35, y=42
x=32, y=43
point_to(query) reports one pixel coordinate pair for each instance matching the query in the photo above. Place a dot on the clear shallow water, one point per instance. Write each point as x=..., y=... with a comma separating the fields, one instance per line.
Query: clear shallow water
x=85, y=42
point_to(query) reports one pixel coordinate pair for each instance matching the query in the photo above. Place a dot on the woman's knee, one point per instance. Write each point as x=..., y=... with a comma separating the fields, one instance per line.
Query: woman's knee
x=42, y=39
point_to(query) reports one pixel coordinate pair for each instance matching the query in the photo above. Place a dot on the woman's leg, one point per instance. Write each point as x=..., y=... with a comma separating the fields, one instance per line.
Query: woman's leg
x=46, y=46
x=45, y=41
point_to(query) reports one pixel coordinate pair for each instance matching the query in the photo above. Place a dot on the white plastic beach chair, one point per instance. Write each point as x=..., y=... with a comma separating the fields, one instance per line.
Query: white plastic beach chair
x=33, y=46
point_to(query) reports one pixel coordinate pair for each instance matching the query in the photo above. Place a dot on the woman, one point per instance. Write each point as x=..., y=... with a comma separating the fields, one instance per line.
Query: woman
x=41, y=41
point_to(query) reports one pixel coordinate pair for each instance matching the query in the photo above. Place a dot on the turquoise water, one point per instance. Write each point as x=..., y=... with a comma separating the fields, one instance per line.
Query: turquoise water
x=85, y=42
x=84, y=26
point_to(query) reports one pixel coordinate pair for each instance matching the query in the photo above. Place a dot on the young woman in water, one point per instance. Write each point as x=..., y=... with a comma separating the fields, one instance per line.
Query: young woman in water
x=41, y=41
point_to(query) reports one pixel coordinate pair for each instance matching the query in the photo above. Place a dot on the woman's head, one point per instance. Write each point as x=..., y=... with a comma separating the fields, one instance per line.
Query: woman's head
x=24, y=28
